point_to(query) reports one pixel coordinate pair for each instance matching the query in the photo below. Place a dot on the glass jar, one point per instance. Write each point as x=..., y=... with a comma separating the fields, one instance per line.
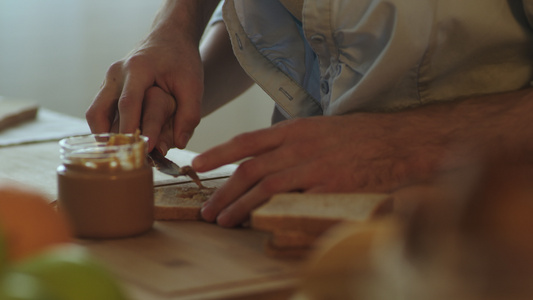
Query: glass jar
x=105, y=185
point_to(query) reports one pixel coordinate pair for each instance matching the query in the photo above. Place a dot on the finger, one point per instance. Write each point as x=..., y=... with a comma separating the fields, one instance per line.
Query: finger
x=131, y=100
x=165, y=140
x=235, y=187
x=101, y=113
x=158, y=107
x=240, y=147
x=187, y=117
x=115, y=124
x=288, y=180
x=245, y=176
x=260, y=172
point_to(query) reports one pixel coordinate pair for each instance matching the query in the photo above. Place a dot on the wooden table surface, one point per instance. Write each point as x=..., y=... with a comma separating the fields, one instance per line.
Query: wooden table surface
x=176, y=259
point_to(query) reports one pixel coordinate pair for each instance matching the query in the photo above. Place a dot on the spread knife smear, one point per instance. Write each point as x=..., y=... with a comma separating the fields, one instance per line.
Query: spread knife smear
x=164, y=165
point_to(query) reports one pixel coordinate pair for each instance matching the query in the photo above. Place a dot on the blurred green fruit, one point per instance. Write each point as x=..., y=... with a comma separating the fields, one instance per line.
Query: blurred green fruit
x=71, y=273
x=18, y=286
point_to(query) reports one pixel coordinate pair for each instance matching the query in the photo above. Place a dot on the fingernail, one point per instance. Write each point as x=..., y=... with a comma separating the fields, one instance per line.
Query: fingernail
x=206, y=203
x=205, y=213
x=163, y=148
x=151, y=144
x=221, y=218
x=226, y=219
x=183, y=140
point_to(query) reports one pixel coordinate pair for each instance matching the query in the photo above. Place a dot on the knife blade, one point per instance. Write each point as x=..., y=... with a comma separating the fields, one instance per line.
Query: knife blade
x=165, y=165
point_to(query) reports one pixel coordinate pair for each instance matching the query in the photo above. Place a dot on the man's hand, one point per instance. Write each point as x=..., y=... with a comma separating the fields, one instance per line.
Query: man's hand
x=133, y=94
x=159, y=85
x=355, y=153
x=366, y=152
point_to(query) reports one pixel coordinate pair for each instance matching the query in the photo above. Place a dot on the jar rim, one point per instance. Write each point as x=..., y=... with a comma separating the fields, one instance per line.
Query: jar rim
x=77, y=141
x=93, y=152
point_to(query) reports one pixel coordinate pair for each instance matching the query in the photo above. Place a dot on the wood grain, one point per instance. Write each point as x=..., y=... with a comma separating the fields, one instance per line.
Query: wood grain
x=195, y=260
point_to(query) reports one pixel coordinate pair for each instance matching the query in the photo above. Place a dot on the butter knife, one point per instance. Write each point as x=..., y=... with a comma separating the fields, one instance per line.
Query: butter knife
x=165, y=165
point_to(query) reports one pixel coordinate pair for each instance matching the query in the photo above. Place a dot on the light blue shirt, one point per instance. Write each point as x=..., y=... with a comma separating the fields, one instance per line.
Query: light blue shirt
x=381, y=55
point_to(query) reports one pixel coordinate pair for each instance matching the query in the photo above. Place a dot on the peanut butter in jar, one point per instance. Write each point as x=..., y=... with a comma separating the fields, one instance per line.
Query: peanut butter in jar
x=105, y=185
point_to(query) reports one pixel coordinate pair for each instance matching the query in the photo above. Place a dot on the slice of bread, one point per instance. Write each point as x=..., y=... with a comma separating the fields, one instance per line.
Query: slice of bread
x=180, y=203
x=315, y=213
x=183, y=201
x=14, y=112
x=297, y=221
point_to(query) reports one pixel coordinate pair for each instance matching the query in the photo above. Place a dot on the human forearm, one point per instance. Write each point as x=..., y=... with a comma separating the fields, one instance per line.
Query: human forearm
x=504, y=127
x=183, y=16
x=471, y=129
x=224, y=79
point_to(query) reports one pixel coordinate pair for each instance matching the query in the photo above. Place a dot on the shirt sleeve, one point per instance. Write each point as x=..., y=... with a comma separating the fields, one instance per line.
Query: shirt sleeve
x=217, y=14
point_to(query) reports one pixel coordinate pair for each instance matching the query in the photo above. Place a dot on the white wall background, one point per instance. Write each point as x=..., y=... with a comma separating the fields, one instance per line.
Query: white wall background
x=57, y=52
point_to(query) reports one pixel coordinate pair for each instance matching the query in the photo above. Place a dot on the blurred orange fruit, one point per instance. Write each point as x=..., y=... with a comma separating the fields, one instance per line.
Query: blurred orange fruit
x=29, y=223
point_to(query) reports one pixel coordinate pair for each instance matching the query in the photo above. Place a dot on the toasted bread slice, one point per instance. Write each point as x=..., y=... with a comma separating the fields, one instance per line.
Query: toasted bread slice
x=315, y=213
x=182, y=201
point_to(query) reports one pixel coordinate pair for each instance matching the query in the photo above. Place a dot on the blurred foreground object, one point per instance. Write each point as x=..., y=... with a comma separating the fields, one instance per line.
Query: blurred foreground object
x=466, y=237
x=28, y=223
x=69, y=272
x=475, y=241
x=38, y=259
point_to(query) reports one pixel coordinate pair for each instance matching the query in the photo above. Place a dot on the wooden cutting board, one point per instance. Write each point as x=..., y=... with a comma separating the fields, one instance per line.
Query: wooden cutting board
x=177, y=259
x=197, y=260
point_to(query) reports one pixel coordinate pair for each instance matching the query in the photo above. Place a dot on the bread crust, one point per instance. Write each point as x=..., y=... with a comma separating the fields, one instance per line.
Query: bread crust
x=315, y=213
x=297, y=221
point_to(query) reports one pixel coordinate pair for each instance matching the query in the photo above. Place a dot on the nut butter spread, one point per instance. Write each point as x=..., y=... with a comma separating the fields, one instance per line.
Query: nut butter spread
x=105, y=185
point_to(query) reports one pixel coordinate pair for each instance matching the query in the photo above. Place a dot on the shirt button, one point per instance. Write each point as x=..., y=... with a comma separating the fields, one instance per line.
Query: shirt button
x=324, y=87
x=239, y=43
x=318, y=38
